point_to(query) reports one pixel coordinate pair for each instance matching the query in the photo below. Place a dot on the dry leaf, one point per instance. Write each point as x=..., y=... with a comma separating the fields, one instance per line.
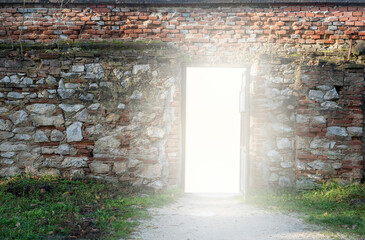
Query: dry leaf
x=17, y=224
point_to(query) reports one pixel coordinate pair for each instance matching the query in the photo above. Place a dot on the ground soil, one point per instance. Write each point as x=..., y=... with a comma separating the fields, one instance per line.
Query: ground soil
x=224, y=217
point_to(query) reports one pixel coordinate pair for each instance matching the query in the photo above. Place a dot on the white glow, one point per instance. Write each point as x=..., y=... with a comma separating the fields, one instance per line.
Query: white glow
x=212, y=129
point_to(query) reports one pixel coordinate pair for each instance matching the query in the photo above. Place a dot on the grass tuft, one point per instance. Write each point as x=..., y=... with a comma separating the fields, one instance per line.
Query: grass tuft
x=340, y=208
x=52, y=208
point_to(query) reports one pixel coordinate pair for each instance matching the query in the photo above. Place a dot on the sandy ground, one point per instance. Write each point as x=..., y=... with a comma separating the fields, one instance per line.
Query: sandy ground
x=223, y=217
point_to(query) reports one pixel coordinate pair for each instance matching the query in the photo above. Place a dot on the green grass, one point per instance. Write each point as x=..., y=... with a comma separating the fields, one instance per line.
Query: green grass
x=340, y=208
x=39, y=208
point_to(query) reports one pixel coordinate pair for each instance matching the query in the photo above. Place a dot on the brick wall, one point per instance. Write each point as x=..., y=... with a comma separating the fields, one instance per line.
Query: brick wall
x=327, y=24
x=300, y=133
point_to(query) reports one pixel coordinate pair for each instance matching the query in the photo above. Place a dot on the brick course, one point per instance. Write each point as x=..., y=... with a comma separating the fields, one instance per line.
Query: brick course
x=292, y=51
x=241, y=24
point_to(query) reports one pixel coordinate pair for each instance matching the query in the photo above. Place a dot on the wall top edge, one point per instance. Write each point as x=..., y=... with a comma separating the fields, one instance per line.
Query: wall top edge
x=184, y=2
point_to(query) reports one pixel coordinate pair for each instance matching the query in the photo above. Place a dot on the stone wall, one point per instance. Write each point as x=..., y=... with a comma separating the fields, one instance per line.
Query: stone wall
x=106, y=116
x=77, y=108
x=330, y=124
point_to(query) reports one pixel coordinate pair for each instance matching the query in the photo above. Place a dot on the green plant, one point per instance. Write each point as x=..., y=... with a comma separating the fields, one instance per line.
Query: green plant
x=341, y=208
x=48, y=207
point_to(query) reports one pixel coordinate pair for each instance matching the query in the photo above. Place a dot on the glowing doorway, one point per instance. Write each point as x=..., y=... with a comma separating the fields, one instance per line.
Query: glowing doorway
x=212, y=140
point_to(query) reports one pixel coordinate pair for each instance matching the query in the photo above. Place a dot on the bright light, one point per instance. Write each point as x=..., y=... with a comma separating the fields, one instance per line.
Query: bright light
x=212, y=129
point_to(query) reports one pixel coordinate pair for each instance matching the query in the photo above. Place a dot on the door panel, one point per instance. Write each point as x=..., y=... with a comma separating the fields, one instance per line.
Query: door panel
x=244, y=109
x=213, y=120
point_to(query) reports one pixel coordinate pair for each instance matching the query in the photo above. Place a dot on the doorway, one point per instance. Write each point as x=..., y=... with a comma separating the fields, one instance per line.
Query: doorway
x=213, y=120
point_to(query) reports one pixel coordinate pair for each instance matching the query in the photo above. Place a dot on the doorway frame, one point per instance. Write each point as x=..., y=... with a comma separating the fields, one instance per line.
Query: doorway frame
x=244, y=128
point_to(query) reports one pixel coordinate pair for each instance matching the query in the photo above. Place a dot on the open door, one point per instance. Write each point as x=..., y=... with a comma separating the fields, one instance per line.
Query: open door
x=244, y=141
x=213, y=130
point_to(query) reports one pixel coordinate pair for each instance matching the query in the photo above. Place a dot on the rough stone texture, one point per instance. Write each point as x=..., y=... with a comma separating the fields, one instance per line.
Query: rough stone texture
x=305, y=184
x=355, y=131
x=329, y=105
x=65, y=92
x=315, y=95
x=106, y=145
x=285, y=182
x=337, y=131
x=74, y=162
x=45, y=109
x=331, y=95
x=19, y=117
x=71, y=108
x=9, y=171
x=155, y=132
x=5, y=135
x=43, y=120
x=82, y=121
x=39, y=136
x=120, y=107
x=274, y=156
x=283, y=143
x=334, y=129
x=74, y=132
x=120, y=167
x=94, y=71
x=140, y=68
x=5, y=125
x=57, y=136
x=99, y=167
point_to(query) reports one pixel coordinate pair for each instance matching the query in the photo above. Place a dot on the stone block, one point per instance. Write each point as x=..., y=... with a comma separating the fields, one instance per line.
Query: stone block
x=337, y=131
x=275, y=156
x=76, y=162
x=120, y=167
x=283, y=143
x=19, y=117
x=94, y=71
x=40, y=136
x=43, y=120
x=12, y=147
x=5, y=135
x=285, y=182
x=304, y=184
x=74, y=132
x=315, y=95
x=99, y=167
x=155, y=132
x=71, y=107
x=355, y=131
x=9, y=171
x=104, y=144
x=43, y=109
x=151, y=171
x=331, y=95
x=140, y=68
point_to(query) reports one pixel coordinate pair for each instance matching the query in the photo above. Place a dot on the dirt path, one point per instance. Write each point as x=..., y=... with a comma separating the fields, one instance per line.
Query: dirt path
x=217, y=217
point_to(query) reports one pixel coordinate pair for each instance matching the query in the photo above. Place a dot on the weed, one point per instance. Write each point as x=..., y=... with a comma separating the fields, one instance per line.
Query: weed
x=47, y=207
x=341, y=208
